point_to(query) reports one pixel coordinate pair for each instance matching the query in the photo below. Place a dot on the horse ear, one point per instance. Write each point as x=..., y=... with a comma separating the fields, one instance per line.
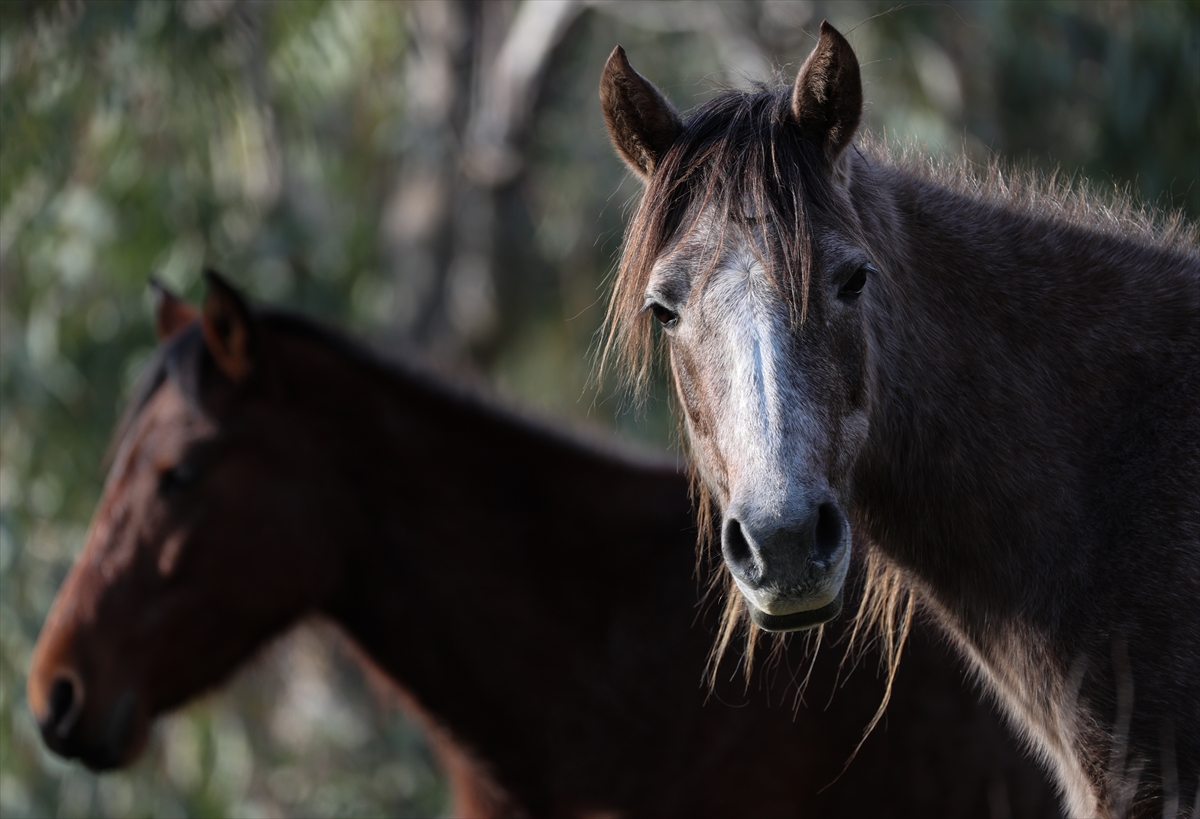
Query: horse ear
x=171, y=313
x=641, y=123
x=228, y=327
x=827, y=98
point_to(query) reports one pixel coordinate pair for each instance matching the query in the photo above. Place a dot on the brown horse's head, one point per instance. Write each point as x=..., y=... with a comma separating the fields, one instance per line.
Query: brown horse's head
x=205, y=543
x=748, y=255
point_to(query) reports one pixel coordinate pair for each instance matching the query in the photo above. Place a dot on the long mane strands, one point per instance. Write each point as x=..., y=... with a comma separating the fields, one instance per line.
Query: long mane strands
x=739, y=160
x=1054, y=195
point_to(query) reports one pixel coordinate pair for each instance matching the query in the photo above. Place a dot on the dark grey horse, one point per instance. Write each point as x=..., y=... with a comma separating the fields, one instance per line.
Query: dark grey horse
x=991, y=384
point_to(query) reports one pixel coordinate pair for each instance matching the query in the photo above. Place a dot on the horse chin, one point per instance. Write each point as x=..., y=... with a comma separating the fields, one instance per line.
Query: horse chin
x=797, y=620
x=124, y=738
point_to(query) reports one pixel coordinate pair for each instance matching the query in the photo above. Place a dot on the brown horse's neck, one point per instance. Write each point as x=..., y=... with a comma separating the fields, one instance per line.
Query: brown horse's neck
x=534, y=600
x=513, y=583
x=1029, y=376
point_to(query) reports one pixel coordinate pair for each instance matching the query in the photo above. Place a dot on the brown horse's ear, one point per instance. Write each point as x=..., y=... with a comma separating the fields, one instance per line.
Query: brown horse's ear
x=827, y=98
x=228, y=327
x=642, y=124
x=171, y=313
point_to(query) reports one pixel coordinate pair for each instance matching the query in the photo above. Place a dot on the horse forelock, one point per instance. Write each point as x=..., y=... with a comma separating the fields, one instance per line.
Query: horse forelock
x=179, y=360
x=741, y=162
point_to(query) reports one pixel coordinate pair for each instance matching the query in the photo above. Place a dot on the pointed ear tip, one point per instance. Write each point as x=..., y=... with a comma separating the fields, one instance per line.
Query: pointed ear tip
x=830, y=32
x=616, y=60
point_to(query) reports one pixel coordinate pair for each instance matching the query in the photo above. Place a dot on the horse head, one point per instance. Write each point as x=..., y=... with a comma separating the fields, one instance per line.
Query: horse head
x=189, y=563
x=749, y=257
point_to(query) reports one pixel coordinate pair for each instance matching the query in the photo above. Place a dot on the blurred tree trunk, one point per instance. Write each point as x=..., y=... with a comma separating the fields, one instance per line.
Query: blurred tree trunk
x=475, y=70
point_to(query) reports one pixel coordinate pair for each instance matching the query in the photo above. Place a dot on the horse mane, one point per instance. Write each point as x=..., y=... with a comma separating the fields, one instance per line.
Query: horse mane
x=183, y=360
x=1052, y=196
x=180, y=359
x=742, y=154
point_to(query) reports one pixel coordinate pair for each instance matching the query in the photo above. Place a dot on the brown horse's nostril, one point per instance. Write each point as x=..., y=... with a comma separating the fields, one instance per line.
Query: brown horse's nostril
x=66, y=704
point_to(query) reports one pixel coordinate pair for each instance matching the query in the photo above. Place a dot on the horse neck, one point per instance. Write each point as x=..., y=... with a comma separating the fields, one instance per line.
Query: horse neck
x=1009, y=348
x=514, y=582
x=1033, y=461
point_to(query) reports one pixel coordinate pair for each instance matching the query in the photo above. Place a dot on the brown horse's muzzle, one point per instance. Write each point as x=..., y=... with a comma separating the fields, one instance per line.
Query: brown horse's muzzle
x=64, y=733
x=102, y=730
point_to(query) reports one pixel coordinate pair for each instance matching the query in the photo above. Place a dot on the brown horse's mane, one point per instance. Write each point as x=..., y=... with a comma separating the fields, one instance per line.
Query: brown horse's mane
x=184, y=360
x=742, y=154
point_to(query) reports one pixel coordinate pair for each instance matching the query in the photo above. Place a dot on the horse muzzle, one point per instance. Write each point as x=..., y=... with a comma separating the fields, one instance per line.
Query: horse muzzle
x=790, y=575
x=102, y=738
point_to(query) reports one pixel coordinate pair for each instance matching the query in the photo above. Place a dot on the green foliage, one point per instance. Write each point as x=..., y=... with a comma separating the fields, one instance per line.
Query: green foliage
x=266, y=140
x=138, y=139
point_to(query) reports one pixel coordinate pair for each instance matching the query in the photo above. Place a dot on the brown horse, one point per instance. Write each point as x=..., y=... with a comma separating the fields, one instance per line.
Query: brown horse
x=997, y=386
x=527, y=593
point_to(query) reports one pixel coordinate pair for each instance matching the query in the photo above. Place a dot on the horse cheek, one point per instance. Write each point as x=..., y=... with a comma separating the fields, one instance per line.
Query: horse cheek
x=849, y=345
x=699, y=421
x=850, y=351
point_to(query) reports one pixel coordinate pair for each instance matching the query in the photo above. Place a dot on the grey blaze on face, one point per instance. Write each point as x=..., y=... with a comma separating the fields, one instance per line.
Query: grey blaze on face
x=774, y=406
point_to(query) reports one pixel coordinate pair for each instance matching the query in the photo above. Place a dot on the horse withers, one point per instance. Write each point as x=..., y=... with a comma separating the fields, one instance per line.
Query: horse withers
x=990, y=385
x=528, y=595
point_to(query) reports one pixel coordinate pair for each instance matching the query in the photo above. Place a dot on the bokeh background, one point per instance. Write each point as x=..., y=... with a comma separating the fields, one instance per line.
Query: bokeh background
x=435, y=177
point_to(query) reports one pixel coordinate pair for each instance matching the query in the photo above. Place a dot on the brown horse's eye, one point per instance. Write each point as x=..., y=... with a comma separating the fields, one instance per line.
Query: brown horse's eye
x=665, y=317
x=856, y=282
x=176, y=479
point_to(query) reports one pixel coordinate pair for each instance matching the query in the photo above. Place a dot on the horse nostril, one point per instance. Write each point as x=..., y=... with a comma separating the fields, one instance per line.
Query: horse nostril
x=827, y=535
x=738, y=552
x=66, y=704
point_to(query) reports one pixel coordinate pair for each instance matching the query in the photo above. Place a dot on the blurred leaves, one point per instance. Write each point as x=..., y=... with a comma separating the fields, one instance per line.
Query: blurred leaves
x=284, y=142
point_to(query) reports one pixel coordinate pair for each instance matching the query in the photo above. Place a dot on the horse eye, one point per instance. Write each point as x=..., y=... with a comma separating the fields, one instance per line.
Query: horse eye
x=178, y=478
x=665, y=317
x=855, y=283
